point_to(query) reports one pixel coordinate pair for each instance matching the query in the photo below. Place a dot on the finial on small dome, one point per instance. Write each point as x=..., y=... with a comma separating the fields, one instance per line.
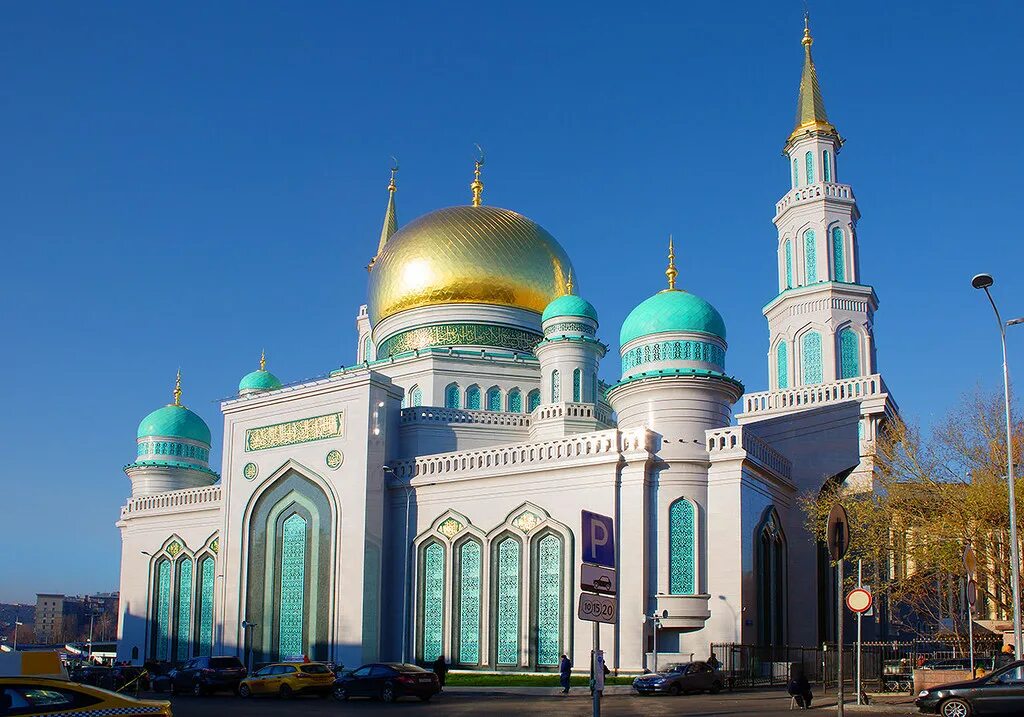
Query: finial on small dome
x=177, y=389
x=477, y=186
x=263, y=360
x=394, y=170
x=671, y=272
x=568, y=283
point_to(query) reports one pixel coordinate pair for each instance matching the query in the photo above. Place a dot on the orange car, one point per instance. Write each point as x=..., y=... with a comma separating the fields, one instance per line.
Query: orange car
x=286, y=679
x=43, y=695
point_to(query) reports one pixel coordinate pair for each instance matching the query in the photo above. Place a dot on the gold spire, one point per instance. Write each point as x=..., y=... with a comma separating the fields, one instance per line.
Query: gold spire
x=263, y=360
x=476, y=185
x=177, y=390
x=671, y=272
x=390, y=218
x=568, y=283
x=810, y=105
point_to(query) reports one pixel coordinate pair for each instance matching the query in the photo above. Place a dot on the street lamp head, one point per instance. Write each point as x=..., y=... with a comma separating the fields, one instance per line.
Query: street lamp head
x=981, y=281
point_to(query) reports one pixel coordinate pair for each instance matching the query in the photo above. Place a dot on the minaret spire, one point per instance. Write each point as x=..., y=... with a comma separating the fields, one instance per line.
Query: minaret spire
x=177, y=389
x=390, y=217
x=810, y=105
x=263, y=360
x=671, y=272
x=477, y=186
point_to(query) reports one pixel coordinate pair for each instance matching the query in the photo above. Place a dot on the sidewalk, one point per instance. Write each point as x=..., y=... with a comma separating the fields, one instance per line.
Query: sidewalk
x=552, y=691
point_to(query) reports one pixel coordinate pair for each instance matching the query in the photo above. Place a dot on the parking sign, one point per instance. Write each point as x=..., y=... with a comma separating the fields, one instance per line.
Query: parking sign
x=598, y=539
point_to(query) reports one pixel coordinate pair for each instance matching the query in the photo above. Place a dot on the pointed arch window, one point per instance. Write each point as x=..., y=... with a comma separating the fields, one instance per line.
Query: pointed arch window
x=433, y=601
x=556, y=387
x=782, y=365
x=838, y=257
x=494, y=399
x=469, y=603
x=293, y=586
x=682, y=543
x=810, y=257
x=473, y=398
x=810, y=358
x=451, y=395
x=577, y=385
x=507, y=590
x=533, y=400
x=548, y=557
x=593, y=388
x=162, y=610
x=826, y=165
x=809, y=167
x=416, y=397
x=367, y=348
x=183, y=633
x=770, y=565
x=515, y=401
x=204, y=613
x=849, y=353
x=789, y=264
x=796, y=173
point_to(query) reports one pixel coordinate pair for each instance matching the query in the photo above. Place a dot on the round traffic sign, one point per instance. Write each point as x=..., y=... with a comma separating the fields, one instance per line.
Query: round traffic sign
x=858, y=600
x=972, y=592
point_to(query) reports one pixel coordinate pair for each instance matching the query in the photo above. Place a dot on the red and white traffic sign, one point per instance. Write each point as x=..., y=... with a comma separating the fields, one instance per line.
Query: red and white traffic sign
x=858, y=600
x=972, y=592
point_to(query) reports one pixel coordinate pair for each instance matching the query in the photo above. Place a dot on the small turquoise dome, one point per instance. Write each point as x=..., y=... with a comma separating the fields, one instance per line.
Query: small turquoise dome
x=671, y=310
x=569, y=305
x=260, y=380
x=177, y=422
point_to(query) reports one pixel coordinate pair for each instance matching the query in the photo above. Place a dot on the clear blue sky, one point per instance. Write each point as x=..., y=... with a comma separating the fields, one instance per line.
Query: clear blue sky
x=185, y=184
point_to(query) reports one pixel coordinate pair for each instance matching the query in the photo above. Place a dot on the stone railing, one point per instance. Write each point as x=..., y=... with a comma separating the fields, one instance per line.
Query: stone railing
x=734, y=437
x=572, y=410
x=175, y=499
x=821, y=394
x=814, y=191
x=609, y=442
x=431, y=414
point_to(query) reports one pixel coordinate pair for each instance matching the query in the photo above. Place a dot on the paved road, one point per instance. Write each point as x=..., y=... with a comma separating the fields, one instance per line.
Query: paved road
x=768, y=704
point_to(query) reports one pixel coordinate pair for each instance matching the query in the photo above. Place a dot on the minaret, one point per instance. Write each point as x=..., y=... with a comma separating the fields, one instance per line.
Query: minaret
x=820, y=324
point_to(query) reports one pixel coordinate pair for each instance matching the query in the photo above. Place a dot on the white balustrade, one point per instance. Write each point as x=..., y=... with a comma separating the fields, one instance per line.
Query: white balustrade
x=433, y=414
x=185, y=498
x=735, y=438
x=820, y=394
x=814, y=191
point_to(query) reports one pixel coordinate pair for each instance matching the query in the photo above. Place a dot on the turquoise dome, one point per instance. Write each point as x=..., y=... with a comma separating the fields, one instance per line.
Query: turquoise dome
x=671, y=310
x=259, y=380
x=176, y=422
x=569, y=305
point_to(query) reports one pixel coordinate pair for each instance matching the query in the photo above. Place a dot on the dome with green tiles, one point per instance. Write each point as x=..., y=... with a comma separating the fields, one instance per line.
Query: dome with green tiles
x=672, y=310
x=569, y=305
x=259, y=380
x=175, y=421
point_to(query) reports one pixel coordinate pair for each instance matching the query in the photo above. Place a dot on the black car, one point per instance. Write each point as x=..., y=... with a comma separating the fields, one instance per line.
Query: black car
x=999, y=692
x=387, y=681
x=206, y=675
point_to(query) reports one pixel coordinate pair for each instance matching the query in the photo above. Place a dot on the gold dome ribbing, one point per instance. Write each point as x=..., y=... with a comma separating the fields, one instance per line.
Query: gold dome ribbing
x=468, y=255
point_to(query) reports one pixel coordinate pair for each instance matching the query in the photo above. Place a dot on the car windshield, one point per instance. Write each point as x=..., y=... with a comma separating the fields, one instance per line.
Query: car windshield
x=225, y=663
x=315, y=669
x=406, y=668
x=675, y=669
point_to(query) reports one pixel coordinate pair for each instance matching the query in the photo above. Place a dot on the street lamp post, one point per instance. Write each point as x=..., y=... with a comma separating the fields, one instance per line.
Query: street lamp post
x=984, y=281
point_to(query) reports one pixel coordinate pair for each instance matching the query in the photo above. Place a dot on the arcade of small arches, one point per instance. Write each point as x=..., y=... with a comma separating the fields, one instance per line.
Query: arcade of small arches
x=808, y=362
x=837, y=246
x=809, y=175
x=474, y=399
x=181, y=600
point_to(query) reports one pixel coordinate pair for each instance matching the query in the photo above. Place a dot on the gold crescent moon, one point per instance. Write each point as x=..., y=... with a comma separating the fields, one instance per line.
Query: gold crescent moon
x=480, y=150
x=394, y=163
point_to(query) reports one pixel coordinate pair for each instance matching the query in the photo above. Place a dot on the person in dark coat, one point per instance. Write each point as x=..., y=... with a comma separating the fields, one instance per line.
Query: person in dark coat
x=565, y=672
x=713, y=662
x=800, y=688
x=440, y=669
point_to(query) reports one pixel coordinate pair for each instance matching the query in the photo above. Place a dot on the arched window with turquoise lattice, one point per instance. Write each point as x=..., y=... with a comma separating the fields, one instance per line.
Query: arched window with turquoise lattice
x=796, y=173
x=183, y=631
x=473, y=398
x=849, y=353
x=809, y=167
x=682, y=548
x=494, y=399
x=515, y=401
x=470, y=570
x=556, y=387
x=810, y=257
x=416, y=397
x=788, y=250
x=593, y=388
x=577, y=385
x=452, y=395
x=204, y=607
x=549, y=603
x=838, y=254
x=506, y=590
x=826, y=165
x=162, y=610
x=810, y=358
x=532, y=400
x=293, y=586
x=782, y=365
x=432, y=600
x=367, y=348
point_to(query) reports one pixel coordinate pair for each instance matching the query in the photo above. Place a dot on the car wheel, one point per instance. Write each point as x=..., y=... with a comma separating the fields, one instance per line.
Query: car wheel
x=673, y=689
x=387, y=692
x=340, y=694
x=244, y=691
x=197, y=689
x=285, y=692
x=955, y=708
x=716, y=687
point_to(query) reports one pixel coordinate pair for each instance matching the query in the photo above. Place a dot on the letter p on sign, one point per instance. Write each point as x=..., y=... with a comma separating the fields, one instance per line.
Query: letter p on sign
x=598, y=539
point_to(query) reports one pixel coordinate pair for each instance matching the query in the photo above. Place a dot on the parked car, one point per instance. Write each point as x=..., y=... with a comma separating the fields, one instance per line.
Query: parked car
x=286, y=679
x=680, y=679
x=40, y=695
x=205, y=675
x=999, y=692
x=958, y=663
x=387, y=681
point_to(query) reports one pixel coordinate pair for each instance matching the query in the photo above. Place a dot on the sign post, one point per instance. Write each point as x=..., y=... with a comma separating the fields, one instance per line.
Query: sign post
x=838, y=537
x=598, y=586
x=859, y=600
x=970, y=564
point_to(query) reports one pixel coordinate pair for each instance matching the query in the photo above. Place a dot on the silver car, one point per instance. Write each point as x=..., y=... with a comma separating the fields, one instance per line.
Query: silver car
x=680, y=679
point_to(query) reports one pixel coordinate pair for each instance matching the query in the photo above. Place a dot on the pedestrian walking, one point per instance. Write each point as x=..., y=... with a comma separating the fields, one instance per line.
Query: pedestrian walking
x=800, y=689
x=441, y=670
x=565, y=672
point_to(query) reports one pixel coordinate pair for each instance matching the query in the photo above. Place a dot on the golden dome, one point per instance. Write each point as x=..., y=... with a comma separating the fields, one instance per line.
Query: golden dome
x=468, y=255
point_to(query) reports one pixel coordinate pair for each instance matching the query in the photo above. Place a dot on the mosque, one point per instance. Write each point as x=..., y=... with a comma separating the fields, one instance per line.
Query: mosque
x=426, y=500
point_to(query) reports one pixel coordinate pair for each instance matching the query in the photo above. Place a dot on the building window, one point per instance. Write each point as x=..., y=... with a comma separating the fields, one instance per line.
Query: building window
x=770, y=563
x=183, y=635
x=782, y=365
x=826, y=165
x=473, y=398
x=556, y=387
x=789, y=264
x=416, y=397
x=494, y=399
x=507, y=642
x=549, y=599
x=162, y=610
x=577, y=385
x=433, y=602
x=593, y=388
x=838, y=258
x=532, y=400
x=367, y=348
x=451, y=396
x=515, y=401
x=681, y=548
x=810, y=358
x=796, y=173
x=293, y=586
x=809, y=167
x=469, y=603
x=810, y=257
x=849, y=354
x=204, y=617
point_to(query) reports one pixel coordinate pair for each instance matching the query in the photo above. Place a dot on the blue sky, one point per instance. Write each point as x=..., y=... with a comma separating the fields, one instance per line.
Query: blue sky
x=186, y=184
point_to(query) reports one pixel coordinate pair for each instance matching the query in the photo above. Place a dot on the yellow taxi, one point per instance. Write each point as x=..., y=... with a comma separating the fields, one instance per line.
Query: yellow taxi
x=45, y=695
x=287, y=679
